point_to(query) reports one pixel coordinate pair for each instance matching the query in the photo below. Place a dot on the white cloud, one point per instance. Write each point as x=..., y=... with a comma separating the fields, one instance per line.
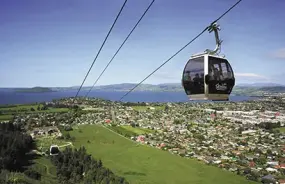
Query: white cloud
x=280, y=53
x=252, y=75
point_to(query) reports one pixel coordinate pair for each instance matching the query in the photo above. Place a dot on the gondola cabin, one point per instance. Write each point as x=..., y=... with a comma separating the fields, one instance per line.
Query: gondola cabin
x=54, y=150
x=208, y=77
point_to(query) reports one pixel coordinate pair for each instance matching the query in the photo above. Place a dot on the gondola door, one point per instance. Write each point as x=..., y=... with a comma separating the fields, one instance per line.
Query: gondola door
x=220, y=79
x=193, y=78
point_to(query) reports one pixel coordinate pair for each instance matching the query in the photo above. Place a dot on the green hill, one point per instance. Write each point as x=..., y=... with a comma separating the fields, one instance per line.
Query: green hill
x=34, y=90
x=144, y=164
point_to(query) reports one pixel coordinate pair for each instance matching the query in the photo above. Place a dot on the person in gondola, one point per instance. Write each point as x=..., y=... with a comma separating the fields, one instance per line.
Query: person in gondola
x=222, y=78
x=211, y=73
x=196, y=84
x=187, y=76
x=216, y=74
x=201, y=82
x=187, y=82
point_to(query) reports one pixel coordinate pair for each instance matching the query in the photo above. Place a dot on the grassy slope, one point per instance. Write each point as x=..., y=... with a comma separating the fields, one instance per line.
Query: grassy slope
x=48, y=171
x=143, y=164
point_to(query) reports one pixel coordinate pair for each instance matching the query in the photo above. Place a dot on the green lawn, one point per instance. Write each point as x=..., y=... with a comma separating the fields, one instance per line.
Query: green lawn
x=6, y=117
x=282, y=129
x=8, y=110
x=137, y=130
x=143, y=164
x=144, y=108
x=20, y=106
x=28, y=108
x=123, y=131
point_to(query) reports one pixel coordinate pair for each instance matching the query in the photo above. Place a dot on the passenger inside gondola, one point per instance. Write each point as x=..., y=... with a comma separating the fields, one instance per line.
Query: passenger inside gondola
x=211, y=73
x=187, y=76
x=202, y=82
x=216, y=74
x=187, y=82
x=221, y=76
x=201, y=78
x=197, y=86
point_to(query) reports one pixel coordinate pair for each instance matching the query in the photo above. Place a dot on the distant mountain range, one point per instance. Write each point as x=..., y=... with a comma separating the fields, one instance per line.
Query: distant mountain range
x=260, y=84
x=239, y=89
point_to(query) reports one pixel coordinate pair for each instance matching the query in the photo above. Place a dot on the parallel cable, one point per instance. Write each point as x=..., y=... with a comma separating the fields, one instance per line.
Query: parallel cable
x=120, y=47
x=101, y=47
x=180, y=50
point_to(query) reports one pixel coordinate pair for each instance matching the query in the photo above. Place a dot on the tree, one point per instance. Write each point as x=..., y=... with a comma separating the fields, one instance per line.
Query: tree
x=67, y=136
x=177, y=121
x=254, y=176
x=261, y=160
x=73, y=164
x=166, y=108
x=269, y=152
x=32, y=109
x=44, y=108
x=33, y=174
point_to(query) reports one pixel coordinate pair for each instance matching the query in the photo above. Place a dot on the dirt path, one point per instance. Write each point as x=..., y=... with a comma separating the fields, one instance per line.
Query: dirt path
x=68, y=143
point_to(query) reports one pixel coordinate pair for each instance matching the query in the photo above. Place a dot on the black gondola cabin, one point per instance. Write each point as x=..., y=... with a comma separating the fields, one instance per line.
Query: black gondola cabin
x=208, y=77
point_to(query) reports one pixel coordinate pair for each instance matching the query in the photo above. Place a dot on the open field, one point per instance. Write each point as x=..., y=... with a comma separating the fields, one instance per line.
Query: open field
x=143, y=164
x=27, y=108
x=6, y=117
x=137, y=130
x=144, y=108
x=6, y=112
x=282, y=129
x=122, y=131
x=130, y=131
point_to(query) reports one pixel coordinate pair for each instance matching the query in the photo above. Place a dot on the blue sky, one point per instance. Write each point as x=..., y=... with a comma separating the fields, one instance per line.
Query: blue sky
x=53, y=43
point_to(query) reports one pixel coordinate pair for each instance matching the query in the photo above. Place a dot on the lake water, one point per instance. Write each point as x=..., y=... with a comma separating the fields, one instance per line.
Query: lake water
x=8, y=97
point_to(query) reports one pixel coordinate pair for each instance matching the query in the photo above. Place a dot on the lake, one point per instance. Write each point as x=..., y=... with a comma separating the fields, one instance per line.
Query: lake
x=8, y=97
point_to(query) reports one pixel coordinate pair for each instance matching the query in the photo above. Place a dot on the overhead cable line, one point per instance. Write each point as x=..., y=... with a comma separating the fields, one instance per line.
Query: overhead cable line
x=120, y=47
x=180, y=49
x=101, y=48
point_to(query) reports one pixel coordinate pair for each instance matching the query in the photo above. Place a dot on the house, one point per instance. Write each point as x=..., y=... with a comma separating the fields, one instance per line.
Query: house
x=269, y=178
x=251, y=164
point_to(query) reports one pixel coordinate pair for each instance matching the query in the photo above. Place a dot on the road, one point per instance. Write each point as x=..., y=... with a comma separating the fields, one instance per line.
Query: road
x=68, y=143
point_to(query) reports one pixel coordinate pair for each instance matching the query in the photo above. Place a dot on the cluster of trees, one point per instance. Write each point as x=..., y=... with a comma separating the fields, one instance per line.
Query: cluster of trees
x=58, y=105
x=269, y=125
x=134, y=104
x=39, y=108
x=76, y=166
x=14, y=144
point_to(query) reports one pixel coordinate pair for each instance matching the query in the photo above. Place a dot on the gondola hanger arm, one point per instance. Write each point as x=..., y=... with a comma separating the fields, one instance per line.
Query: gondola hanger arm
x=214, y=27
